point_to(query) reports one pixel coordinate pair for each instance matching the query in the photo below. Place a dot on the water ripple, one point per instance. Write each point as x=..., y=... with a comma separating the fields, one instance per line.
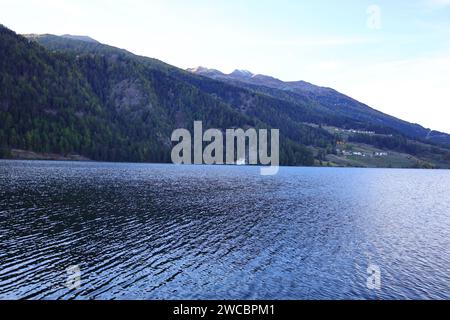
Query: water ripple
x=170, y=232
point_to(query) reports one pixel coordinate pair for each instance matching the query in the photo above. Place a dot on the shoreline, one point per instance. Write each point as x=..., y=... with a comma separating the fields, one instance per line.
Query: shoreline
x=78, y=158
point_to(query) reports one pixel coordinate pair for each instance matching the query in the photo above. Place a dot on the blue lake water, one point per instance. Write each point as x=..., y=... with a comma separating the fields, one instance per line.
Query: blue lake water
x=221, y=232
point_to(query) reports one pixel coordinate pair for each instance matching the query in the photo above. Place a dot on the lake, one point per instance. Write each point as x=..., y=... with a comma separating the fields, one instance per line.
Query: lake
x=140, y=231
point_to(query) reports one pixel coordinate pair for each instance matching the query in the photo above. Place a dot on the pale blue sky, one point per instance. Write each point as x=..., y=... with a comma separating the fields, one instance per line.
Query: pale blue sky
x=392, y=55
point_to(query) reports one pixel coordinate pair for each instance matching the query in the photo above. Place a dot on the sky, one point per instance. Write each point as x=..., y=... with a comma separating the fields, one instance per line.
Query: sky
x=391, y=55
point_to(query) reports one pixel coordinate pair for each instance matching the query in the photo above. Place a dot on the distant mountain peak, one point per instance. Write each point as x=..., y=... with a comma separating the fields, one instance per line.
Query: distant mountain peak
x=203, y=71
x=248, y=77
x=237, y=74
x=79, y=38
x=241, y=74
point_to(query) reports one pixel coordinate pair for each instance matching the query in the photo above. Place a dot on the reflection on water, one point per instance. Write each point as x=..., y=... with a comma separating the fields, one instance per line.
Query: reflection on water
x=188, y=232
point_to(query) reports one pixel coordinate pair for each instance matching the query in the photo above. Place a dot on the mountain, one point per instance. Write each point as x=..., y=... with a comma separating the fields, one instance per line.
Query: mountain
x=330, y=99
x=211, y=73
x=80, y=38
x=65, y=36
x=77, y=98
x=104, y=103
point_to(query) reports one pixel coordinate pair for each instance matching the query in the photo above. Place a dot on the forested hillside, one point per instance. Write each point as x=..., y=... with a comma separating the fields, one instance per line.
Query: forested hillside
x=75, y=96
x=107, y=104
x=337, y=108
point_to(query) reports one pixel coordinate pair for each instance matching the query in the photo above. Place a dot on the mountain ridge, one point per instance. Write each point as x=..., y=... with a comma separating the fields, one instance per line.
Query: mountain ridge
x=306, y=89
x=67, y=96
